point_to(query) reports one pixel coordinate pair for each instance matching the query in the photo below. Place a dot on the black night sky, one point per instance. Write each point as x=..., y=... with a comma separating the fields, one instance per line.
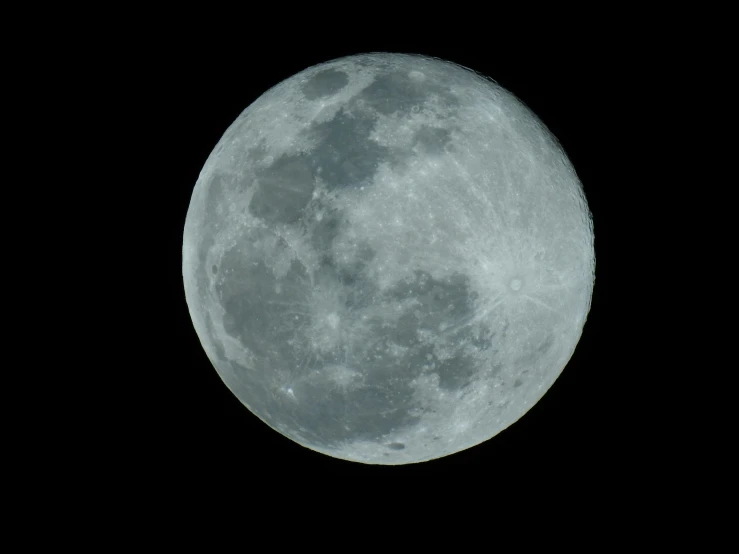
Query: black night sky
x=185, y=426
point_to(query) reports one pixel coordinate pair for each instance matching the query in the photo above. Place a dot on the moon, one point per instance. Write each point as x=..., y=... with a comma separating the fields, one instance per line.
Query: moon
x=388, y=258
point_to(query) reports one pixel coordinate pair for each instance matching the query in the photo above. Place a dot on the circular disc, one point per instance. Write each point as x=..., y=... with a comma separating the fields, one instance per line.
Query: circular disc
x=388, y=258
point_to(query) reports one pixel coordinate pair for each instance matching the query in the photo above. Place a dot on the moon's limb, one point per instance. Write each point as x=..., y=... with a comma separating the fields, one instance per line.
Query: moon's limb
x=388, y=258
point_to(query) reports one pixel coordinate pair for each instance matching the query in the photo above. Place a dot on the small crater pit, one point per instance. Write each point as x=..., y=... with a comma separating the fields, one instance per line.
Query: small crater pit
x=515, y=284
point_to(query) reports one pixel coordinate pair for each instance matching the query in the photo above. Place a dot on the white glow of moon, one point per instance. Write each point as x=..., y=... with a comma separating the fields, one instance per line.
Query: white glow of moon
x=388, y=258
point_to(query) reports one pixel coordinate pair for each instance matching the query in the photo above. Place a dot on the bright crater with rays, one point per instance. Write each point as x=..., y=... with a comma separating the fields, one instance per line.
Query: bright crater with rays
x=388, y=258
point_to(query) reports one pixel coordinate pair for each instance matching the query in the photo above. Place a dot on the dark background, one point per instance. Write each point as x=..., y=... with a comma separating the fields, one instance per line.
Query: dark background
x=183, y=426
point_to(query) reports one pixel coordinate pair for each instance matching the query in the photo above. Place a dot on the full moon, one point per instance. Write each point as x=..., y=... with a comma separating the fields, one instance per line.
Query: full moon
x=388, y=258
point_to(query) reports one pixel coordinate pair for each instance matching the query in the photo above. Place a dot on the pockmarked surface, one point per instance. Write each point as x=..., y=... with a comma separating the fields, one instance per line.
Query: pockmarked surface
x=388, y=258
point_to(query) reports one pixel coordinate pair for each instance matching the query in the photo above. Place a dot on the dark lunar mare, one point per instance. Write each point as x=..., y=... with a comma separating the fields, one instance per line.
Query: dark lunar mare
x=325, y=83
x=273, y=327
x=344, y=154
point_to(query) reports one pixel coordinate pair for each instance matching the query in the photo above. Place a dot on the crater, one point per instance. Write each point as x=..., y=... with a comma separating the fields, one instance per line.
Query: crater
x=515, y=284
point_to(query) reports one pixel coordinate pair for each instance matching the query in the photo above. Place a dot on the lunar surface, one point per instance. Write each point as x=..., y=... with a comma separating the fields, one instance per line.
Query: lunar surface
x=388, y=258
